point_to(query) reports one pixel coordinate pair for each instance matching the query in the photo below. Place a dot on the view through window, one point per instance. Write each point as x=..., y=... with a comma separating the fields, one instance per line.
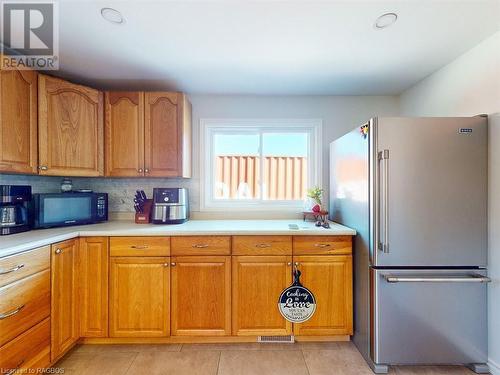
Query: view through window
x=259, y=164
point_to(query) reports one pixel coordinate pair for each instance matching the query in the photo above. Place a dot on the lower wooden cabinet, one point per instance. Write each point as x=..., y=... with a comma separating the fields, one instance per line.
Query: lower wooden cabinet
x=64, y=297
x=93, y=256
x=139, y=297
x=257, y=284
x=329, y=278
x=29, y=352
x=201, y=295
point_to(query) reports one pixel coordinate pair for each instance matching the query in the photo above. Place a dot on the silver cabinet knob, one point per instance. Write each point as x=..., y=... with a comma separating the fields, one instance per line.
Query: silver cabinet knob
x=165, y=264
x=297, y=264
x=173, y=264
x=58, y=251
x=146, y=170
x=289, y=264
x=43, y=167
x=140, y=170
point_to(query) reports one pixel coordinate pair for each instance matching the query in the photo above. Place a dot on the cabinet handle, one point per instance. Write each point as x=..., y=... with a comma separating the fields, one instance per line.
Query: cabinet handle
x=263, y=245
x=289, y=264
x=321, y=245
x=58, y=251
x=139, y=247
x=173, y=264
x=13, y=269
x=12, y=312
x=200, y=246
x=43, y=167
x=296, y=264
x=146, y=170
x=165, y=264
x=140, y=170
x=13, y=370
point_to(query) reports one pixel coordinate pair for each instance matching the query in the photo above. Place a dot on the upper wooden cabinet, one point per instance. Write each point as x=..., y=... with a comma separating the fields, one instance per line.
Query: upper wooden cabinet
x=64, y=297
x=18, y=121
x=167, y=135
x=70, y=129
x=124, y=133
x=148, y=134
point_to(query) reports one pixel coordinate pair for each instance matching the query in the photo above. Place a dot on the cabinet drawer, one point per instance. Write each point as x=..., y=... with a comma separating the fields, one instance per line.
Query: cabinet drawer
x=17, y=266
x=201, y=245
x=139, y=246
x=322, y=245
x=31, y=350
x=23, y=304
x=262, y=245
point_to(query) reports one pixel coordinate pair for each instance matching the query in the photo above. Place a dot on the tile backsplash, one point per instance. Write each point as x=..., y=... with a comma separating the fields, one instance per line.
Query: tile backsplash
x=121, y=190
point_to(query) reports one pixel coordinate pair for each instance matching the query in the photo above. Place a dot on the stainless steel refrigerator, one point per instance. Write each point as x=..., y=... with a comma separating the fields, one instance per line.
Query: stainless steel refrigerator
x=415, y=189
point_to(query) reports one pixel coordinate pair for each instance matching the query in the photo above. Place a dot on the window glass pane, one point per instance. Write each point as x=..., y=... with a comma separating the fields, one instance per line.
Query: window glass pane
x=237, y=166
x=285, y=165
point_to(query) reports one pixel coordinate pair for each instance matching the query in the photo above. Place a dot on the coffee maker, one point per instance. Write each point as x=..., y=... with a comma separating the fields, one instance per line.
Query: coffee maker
x=14, y=213
x=170, y=206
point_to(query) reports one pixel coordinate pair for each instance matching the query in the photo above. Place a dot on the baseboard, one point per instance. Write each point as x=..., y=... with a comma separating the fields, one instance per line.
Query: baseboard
x=494, y=367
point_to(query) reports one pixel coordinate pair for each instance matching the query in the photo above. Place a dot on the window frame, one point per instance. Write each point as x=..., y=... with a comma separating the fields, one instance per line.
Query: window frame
x=211, y=126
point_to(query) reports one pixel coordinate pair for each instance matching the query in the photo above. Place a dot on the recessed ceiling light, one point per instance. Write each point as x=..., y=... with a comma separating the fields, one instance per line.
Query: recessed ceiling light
x=112, y=15
x=385, y=20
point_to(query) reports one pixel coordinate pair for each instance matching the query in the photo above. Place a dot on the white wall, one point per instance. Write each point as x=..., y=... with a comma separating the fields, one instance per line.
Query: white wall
x=468, y=86
x=340, y=114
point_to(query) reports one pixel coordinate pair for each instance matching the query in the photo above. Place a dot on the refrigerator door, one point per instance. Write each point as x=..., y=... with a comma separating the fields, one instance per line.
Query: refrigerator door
x=430, y=192
x=349, y=205
x=429, y=317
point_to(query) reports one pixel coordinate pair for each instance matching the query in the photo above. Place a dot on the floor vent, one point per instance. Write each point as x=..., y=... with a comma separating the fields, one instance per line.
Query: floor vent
x=277, y=339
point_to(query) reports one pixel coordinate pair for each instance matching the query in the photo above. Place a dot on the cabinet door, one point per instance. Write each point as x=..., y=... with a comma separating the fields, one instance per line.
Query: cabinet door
x=93, y=286
x=329, y=278
x=124, y=134
x=18, y=121
x=64, y=293
x=167, y=135
x=70, y=129
x=201, y=295
x=139, y=297
x=257, y=284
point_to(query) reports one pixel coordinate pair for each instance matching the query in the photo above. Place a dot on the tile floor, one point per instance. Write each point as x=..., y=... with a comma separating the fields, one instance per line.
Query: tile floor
x=333, y=358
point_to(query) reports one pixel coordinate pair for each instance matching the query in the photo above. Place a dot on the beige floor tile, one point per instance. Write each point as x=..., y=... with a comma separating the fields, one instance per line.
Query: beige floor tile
x=262, y=363
x=336, y=362
x=96, y=363
x=175, y=363
x=432, y=370
x=327, y=345
x=127, y=348
x=240, y=346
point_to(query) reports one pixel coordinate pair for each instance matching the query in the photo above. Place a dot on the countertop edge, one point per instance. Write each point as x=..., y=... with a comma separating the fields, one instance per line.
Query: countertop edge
x=68, y=233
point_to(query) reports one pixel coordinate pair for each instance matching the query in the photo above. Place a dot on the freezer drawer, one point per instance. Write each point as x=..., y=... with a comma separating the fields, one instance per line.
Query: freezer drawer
x=429, y=316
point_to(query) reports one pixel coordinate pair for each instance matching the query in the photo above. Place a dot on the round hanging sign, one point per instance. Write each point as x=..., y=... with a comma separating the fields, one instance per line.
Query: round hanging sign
x=296, y=303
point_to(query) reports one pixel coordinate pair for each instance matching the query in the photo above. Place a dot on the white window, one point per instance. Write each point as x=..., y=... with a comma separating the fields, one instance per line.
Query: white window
x=258, y=164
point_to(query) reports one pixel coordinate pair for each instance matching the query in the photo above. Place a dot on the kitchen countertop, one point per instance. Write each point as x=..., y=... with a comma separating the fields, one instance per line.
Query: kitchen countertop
x=20, y=242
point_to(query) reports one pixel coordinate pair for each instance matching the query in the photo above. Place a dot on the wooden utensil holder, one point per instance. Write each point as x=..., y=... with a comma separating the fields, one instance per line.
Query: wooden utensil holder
x=144, y=217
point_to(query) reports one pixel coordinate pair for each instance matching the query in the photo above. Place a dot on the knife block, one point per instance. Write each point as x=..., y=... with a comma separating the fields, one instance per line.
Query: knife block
x=144, y=217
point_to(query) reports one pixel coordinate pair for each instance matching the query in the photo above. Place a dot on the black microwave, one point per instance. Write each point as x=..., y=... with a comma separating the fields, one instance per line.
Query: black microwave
x=72, y=208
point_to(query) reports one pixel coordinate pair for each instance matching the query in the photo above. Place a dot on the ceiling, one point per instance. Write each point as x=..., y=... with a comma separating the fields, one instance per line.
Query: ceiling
x=268, y=47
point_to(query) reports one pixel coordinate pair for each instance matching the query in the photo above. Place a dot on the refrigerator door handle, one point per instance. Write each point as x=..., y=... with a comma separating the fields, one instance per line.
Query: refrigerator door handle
x=437, y=279
x=383, y=158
